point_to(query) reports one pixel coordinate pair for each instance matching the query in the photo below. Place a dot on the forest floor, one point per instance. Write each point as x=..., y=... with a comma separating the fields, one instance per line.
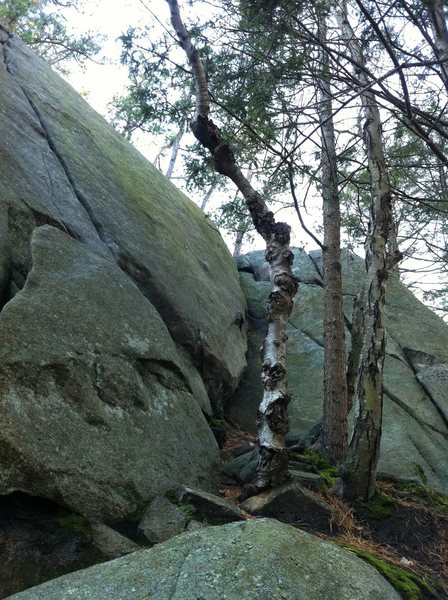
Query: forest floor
x=402, y=531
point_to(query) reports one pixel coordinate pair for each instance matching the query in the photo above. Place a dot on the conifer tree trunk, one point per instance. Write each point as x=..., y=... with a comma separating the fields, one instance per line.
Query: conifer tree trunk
x=272, y=414
x=439, y=30
x=333, y=443
x=359, y=471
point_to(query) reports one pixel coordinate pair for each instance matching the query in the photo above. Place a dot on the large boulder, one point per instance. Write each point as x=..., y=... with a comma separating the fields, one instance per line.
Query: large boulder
x=254, y=560
x=96, y=410
x=415, y=434
x=120, y=321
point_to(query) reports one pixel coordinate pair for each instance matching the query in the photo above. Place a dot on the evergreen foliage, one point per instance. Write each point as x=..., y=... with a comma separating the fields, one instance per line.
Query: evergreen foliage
x=40, y=25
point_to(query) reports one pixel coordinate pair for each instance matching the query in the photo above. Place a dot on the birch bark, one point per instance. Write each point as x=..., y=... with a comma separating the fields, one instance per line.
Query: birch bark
x=174, y=152
x=272, y=414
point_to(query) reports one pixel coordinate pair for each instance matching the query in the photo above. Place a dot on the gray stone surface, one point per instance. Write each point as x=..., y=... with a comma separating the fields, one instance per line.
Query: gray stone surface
x=213, y=509
x=96, y=412
x=162, y=520
x=118, y=330
x=63, y=165
x=311, y=481
x=290, y=498
x=415, y=433
x=111, y=543
x=254, y=560
x=435, y=381
x=243, y=468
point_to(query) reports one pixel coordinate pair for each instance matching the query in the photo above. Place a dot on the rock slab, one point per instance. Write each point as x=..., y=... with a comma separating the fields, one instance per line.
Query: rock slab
x=96, y=410
x=254, y=560
x=415, y=425
x=162, y=520
x=119, y=316
x=290, y=498
x=213, y=509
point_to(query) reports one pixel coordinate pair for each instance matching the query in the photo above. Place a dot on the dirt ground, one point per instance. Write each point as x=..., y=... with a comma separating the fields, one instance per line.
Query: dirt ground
x=405, y=527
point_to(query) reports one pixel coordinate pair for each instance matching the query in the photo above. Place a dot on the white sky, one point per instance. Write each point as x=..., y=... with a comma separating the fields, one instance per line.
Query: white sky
x=111, y=18
x=99, y=82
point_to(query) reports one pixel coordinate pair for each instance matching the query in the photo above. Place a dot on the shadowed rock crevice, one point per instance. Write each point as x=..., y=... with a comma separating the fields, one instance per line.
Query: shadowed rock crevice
x=39, y=541
x=5, y=259
x=434, y=380
x=193, y=344
x=16, y=229
x=4, y=37
x=418, y=359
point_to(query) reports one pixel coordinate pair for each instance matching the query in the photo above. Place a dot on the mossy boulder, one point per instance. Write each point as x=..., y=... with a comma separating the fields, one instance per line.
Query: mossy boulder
x=121, y=315
x=97, y=412
x=415, y=431
x=62, y=164
x=255, y=560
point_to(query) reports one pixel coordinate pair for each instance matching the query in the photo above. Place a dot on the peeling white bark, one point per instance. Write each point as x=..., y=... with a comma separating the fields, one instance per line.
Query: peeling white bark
x=272, y=414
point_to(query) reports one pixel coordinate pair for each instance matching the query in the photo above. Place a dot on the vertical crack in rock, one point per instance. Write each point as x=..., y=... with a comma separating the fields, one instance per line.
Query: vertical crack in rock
x=5, y=254
x=97, y=225
x=110, y=245
x=412, y=414
x=4, y=37
x=316, y=266
x=430, y=361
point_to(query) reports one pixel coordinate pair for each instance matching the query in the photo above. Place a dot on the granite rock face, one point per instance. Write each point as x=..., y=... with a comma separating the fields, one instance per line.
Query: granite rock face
x=119, y=307
x=95, y=407
x=415, y=432
x=254, y=560
x=162, y=520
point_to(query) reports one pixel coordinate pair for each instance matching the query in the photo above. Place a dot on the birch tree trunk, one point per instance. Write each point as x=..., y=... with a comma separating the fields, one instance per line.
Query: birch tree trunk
x=272, y=414
x=174, y=153
x=240, y=233
x=333, y=443
x=359, y=471
x=209, y=193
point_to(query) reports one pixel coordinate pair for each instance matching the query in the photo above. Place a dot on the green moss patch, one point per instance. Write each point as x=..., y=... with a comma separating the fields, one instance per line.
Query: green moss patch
x=317, y=463
x=410, y=586
x=424, y=495
x=188, y=509
x=379, y=507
